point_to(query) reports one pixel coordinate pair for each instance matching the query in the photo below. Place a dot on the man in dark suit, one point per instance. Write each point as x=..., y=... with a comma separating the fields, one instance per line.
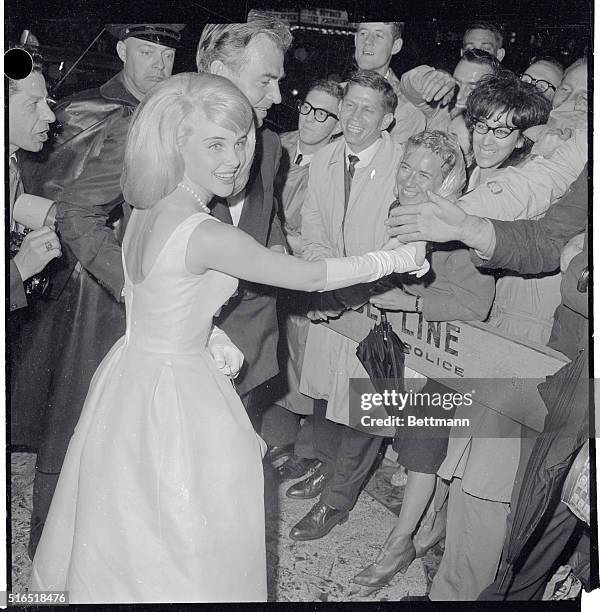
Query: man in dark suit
x=251, y=56
x=29, y=119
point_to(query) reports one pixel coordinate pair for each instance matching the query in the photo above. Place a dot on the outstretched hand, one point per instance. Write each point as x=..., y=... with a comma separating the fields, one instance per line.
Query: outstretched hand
x=438, y=220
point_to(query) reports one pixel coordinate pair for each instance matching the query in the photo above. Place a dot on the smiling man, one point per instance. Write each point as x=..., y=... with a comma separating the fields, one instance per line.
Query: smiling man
x=350, y=187
x=375, y=44
x=251, y=56
x=82, y=173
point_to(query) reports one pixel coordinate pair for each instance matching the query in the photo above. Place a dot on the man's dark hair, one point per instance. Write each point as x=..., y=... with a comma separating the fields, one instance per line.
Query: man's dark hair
x=333, y=88
x=487, y=25
x=397, y=28
x=14, y=84
x=478, y=56
x=504, y=92
x=373, y=80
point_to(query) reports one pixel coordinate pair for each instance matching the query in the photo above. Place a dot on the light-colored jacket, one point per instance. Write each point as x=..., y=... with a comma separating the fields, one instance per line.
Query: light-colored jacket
x=330, y=359
x=488, y=465
x=437, y=117
x=409, y=119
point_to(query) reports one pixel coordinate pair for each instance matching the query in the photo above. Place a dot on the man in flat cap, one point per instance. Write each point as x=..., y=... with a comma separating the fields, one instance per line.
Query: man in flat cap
x=82, y=174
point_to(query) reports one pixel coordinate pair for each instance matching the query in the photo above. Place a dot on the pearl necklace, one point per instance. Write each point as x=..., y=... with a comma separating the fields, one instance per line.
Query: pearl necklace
x=198, y=199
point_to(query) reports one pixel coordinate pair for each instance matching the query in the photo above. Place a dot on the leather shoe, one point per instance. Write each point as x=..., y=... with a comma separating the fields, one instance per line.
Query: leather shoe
x=296, y=467
x=275, y=453
x=309, y=487
x=319, y=521
x=415, y=598
x=396, y=556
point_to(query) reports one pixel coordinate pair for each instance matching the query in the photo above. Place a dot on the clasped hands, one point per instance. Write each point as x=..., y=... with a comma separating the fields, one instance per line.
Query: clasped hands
x=40, y=246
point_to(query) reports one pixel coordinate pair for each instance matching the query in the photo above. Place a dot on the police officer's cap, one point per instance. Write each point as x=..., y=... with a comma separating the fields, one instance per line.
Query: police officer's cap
x=167, y=34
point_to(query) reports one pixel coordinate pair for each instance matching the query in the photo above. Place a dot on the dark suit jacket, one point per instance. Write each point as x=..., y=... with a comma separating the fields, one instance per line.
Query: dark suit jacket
x=18, y=299
x=533, y=246
x=250, y=318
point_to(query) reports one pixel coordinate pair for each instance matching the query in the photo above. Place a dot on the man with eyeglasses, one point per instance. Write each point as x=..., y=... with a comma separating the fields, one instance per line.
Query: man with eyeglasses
x=546, y=74
x=317, y=124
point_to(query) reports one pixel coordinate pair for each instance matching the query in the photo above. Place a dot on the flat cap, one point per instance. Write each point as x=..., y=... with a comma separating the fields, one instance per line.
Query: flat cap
x=167, y=34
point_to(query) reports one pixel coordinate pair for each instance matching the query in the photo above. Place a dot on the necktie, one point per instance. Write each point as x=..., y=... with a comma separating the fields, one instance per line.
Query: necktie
x=16, y=188
x=298, y=159
x=348, y=176
x=352, y=161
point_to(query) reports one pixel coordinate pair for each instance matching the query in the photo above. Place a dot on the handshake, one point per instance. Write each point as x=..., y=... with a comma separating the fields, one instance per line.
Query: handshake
x=34, y=237
x=393, y=258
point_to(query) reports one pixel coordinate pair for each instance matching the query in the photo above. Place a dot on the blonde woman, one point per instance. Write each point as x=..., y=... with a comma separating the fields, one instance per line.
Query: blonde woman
x=160, y=498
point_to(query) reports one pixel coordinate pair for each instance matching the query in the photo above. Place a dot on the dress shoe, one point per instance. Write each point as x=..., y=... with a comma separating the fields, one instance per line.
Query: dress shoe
x=320, y=520
x=309, y=487
x=415, y=598
x=396, y=556
x=276, y=453
x=296, y=467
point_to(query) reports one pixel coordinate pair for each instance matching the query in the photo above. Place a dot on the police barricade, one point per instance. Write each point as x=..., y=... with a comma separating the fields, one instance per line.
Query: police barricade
x=459, y=353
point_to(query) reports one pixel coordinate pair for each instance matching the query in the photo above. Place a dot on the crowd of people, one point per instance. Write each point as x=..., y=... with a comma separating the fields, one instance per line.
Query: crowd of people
x=192, y=255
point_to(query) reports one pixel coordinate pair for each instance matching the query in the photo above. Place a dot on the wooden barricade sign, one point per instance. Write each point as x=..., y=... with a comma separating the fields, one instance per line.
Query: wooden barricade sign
x=457, y=353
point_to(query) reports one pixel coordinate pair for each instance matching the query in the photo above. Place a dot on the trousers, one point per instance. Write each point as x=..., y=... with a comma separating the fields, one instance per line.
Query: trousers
x=348, y=456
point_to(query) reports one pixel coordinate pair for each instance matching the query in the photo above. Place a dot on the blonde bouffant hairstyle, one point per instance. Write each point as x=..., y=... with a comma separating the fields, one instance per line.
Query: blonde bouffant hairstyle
x=153, y=164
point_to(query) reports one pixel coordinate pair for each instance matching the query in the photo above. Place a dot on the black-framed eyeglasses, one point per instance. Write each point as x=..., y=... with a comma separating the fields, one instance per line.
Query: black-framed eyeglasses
x=321, y=115
x=541, y=84
x=500, y=132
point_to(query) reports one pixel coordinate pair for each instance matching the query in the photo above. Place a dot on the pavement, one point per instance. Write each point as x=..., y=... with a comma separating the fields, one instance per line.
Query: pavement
x=319, y=570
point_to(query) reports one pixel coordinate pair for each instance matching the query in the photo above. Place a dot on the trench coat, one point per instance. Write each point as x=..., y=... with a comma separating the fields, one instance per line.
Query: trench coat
x=330, y=359
x=84, y=316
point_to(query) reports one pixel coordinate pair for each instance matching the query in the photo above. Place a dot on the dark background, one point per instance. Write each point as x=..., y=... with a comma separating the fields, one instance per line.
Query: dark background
x=433, y=34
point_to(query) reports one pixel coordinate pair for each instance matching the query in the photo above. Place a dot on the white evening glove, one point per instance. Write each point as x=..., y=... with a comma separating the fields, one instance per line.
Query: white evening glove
x=227, y=356
x=348, y=271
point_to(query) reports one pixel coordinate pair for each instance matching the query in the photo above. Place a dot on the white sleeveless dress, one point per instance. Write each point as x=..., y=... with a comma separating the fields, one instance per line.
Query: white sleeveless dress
x=160, y=497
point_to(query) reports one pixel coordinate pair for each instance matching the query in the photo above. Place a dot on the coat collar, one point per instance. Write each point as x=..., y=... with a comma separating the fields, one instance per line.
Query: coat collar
x=115, y=90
